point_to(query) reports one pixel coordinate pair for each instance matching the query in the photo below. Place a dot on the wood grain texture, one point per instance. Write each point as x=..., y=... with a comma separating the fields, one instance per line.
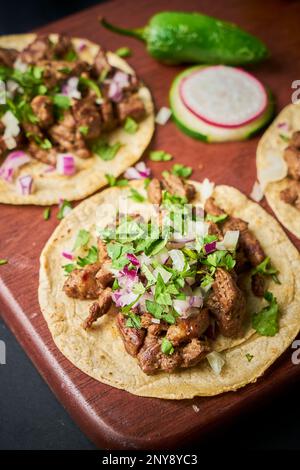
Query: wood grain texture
x=112, y=418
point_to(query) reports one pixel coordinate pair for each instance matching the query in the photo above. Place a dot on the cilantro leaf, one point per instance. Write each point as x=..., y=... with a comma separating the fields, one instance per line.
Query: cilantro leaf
x=133, y=321
x=136, y=195
x=61, y=101
x=105, y=150
x=285, y=138
x=113, y=181
x=84, y=130
x=266, y=269
x=249, y=357
x=91, y=257
x=130, y=125
x=62, y=210
x=70, y=56
x=265, y=322
x=167, y=347
x=69, y=268
x=181, y=170
x=46, y=213
x=87, y=82
x=123, y=52
x=216, y=218
x=82, y=239
x=160, y=156
x=3, y=261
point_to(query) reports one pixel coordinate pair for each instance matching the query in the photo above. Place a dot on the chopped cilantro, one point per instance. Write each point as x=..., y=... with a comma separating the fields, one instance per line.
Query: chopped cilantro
x=46, y=213
x=131, y=126
x=167, y=347
x=61, y=101
x=265, y=322
x=61, y=213
x=133, y=320
x=91, y=257
x=113, y=181
x=123, y=52
x=216, y=218
x=105, y=150
x=3, y=261
x=87, y=82
x=65, y=70
x=136, y=195
x=285, y=138
x=82, y=239
x=181, y=170
x=160, y=156
x=220, y=258
x=83, y=130
x=265, y=268
x=69, y=268
x=249, y=357
x=70, y=56
x=46, y=144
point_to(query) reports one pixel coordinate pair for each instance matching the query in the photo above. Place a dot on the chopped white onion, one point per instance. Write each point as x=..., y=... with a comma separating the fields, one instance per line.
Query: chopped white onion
x=257, y=192
x=12, y=129
x=70, y=88
x=166, y=275
x=181, y=306
x=155, y=320
x=25, y=185
x=178, y=259
x=216, y=361
x=196, y=408
x=21, y=66
x=163, y=115
x=121, y=79
x=65, y=164
x=206, y=190
x=229, y=241
x=139, y=171
x=275, y=168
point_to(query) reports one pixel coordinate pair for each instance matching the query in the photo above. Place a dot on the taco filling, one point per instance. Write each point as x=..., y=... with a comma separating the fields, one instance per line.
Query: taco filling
x=56, y=107
x=176, y=280
x=291, y=194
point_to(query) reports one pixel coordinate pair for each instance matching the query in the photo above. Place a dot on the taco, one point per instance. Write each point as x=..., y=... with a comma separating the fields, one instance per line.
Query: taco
x=172, y=289
x=278, y=167
x=69, y=114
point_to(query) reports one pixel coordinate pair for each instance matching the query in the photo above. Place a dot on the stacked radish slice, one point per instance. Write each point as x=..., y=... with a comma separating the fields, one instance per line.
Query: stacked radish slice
x=219, y=103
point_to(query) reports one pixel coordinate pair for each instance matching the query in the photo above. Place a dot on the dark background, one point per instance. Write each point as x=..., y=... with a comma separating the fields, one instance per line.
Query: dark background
x=31, y=417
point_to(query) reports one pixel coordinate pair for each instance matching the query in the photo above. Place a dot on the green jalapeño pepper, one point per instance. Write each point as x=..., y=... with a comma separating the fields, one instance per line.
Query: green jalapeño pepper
x=176, y=37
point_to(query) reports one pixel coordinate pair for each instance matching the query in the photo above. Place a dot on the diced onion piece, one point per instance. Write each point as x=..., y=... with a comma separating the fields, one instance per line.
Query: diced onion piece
x=21, y=66
x=216, y=361
x=229, y=241
x=181, y=306
x=210, y=247
x=121, y=79
x=70, y=88
x=65, y=164
x=257, y=192
x=67, y=254
x=163, y=272
x=143, y=170
x=155, y=320
x=207, y=188
x=12, y=129
x=178, y=259
x=115, y=92
x=81, y=46
x=283, y=126
x=13, y=161
x=275, y=169
x=163, y=115
x=133, y=259
x=139, y=171
x=25, y=185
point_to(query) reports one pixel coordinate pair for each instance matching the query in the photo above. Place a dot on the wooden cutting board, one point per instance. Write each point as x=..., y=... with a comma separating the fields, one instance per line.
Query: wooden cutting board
x=112, y=418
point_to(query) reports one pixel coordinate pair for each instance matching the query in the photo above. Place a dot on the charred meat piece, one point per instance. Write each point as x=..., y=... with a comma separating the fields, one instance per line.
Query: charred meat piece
x=40, y=49
x=102, y=251
x=98, y=308
x=213, y=229
x=44, y=156
x=258, y=285
x=56, y=71
x=291, y=195
x=210, y=207
x=154, y=192
x=133, y=338
x=101, y=65
x=87, y=115
x=192, y=327
x=8, y=57
x=109, y=120
x=82, y=283
x=104, y=277
x=178, y=187
x=131, y=106
x=62, y=46
x=171, y=362
x=295, y=140
x=68, y=137
x=227, y=303
x=149, y=356
x=292, y=158
x=194, y=352
x=43, y=109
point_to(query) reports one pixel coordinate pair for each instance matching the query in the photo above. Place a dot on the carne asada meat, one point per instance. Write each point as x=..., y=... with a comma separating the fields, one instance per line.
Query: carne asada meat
x=186, y=329
x=291, y=194
x=178, y=187
x=56, y=71
x=82, y=283
x=292, y=158
x=8, y=57
x=101, y=65
x=62, y=46
x=87, y=115
x=133, y=337
x=258, y=285
x=154, y=191
x=98, y=308
x=131, y=106
x=227, y=303
x=43, y=109
x=45, y=156
x=39, y=49
x=194, y=352
x=67, y=136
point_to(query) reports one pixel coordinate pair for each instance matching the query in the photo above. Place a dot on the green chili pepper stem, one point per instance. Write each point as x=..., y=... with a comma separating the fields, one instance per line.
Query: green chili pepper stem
x=138, y=33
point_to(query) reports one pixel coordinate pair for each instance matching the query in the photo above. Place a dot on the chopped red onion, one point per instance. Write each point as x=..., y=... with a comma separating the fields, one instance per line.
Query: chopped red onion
x=133, y=259
x=115, y=92
x=13, y=161
x=49, y=169
x=210, y=247
x=25, y=185
x=65, y=164
x=143, y=170
x=70, y=88
x=283, y=125
x=67, y=254
x=81, y=46
x=121, y=79
x=140, y=171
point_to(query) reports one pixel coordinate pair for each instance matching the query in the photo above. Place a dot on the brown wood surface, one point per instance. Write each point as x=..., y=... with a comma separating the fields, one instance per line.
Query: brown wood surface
x=110, y=417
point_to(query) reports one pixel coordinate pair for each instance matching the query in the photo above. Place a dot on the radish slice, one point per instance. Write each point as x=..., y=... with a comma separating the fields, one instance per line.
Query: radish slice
x=223, y=96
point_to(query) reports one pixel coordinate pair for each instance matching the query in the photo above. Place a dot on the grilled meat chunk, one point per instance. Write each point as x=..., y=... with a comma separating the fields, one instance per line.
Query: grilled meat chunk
x=227, y=303
x=109, y=120
x=40, y=49
x=210, y=207
x=56, y=71
x=130, y=106
x=291, y=194
x=186, y=329
x=101, y=65
x=213, y=229
x=149, y=356
x=194, y=352
x=44, y=156
x=87, y=114
x=62, y=46
x=178, y=187
x=133, y=338
x=292, y=158
x=154, y=191
x=82, y=283
x=8, y=57
x=43, y=109
x=258, y=285
x=98, y=308
x=67, y=137
x=104, y=277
